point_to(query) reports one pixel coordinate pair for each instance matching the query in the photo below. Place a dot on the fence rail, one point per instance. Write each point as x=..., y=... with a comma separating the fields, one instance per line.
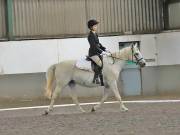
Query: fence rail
x=61, y=18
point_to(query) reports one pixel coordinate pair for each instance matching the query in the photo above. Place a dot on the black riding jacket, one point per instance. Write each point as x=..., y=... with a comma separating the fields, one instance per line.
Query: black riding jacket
x=96, y=48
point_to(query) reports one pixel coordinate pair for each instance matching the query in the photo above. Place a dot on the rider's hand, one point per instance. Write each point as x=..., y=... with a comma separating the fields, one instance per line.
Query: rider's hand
x=106, y=53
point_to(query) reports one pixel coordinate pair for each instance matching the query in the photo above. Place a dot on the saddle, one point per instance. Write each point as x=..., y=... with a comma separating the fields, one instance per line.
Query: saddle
x=88, y=64
x=84, y=64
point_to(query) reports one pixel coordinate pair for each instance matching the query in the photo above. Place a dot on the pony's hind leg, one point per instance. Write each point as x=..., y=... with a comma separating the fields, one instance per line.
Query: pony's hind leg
x=74, y=96
x=54, y=96
x=113, y=86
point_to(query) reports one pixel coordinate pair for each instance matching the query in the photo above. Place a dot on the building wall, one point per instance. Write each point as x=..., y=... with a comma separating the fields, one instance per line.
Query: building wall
x=38, y=55
x=174, y=18
x=68, y=18
x=23, y=64
x=168, y=79
x=38, y=18
x=155, y=80
x=168, y=48
x=161, y=80
x=32, y=86
x=149, y=80
x=2, y=19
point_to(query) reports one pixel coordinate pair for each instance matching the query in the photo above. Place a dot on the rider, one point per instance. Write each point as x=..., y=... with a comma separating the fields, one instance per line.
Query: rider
x=96, y=51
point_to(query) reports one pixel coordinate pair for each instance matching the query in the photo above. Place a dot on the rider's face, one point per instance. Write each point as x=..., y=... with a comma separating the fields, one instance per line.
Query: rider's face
x=94, y=27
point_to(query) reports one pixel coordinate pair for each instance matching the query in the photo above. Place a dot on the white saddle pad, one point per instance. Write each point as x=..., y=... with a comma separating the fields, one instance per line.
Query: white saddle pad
x=84, y=64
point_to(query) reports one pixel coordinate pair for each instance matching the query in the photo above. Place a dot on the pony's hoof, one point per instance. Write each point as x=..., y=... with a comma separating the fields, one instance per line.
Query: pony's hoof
x=124, y=109
x=93, y=110
x=45, y=113
x=83, y=111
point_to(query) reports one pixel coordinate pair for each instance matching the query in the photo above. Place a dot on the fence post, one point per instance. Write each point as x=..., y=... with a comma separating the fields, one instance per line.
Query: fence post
x=9, y=19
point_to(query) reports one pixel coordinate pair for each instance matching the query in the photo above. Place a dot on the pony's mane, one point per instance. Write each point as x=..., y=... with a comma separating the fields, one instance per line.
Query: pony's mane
x=123, y=53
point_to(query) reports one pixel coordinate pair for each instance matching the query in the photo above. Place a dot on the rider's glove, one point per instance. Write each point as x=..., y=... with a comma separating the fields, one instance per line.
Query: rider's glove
x=106, y=53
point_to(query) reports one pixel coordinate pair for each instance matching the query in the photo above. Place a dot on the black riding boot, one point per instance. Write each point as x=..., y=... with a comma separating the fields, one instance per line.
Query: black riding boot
x=96, y=79
x=96, y=74
x=100, y=72
x=101, y=78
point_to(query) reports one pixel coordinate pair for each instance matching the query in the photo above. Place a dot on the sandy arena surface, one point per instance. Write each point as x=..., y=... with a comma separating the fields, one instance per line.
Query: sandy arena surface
x=141, y=119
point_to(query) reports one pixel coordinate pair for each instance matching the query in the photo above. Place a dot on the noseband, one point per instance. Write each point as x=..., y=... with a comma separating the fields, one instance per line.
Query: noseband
x=132, y=49
x=134, y=54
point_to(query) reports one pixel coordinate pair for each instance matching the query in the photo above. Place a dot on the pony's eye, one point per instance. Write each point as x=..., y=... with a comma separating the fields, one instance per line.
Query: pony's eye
x=136, y=54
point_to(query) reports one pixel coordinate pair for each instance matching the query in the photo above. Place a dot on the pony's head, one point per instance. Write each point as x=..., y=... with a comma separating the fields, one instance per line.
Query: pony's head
x=136, y=56
x=130, y=53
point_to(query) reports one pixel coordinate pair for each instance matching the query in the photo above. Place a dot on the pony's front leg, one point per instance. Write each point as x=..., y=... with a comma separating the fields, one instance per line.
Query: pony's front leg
x=54, y=96
x=105, y=96
x=113, y=86
x=75, y=99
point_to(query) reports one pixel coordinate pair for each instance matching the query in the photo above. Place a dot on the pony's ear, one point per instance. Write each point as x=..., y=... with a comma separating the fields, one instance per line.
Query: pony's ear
x=135, y=45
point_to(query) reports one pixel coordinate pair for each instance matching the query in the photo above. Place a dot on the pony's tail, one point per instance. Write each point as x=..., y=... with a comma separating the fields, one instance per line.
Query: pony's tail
x=50, y=76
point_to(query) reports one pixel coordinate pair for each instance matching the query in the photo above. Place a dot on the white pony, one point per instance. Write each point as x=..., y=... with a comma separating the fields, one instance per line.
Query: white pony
x=67, y=74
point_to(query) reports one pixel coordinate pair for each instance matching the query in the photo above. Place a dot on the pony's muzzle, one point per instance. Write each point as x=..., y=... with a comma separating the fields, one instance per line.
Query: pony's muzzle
x=142, y=64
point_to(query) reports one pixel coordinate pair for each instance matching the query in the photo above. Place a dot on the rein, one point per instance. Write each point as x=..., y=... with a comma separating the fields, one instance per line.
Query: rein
x=123, y=59
x=116, y=58
x=137, y=60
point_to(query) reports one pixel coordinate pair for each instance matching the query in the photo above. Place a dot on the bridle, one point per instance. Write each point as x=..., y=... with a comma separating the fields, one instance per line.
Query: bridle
x=135, y=55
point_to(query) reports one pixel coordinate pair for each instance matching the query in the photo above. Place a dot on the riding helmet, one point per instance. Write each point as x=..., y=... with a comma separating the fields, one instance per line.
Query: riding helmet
x=92, y=22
